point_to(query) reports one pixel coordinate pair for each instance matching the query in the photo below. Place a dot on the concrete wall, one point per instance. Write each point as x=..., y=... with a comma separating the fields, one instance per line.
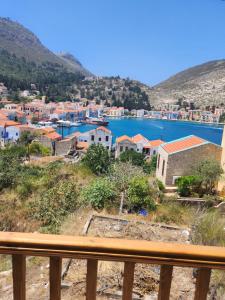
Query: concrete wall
x=63, y=147
x=183, y=162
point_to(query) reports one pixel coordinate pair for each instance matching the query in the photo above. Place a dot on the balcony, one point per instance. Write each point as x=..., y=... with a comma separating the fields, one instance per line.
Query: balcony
x=130, y=252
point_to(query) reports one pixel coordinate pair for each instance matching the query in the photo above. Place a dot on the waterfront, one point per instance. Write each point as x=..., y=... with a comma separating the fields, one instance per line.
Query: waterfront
x=156, y=129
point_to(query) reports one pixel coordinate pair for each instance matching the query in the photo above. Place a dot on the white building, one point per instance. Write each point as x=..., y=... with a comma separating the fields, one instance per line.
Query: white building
x=9, y=132
x=140, y=113
x=100, y=135
x=116, y=112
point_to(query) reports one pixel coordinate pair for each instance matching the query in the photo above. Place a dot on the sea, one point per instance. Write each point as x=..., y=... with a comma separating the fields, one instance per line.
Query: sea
x=155, y=129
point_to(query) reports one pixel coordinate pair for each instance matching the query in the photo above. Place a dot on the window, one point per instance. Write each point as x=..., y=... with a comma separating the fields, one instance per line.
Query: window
x=121, y=148
x=126, y=148
x=107, y=138
x=99, y=139
x=158, y=160
x=163, y=167
x=154, y=152
x=107, y=147
x=16, y=133
x=92, y=137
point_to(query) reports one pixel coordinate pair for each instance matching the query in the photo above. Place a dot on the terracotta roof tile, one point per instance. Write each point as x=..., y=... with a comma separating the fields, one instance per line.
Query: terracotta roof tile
x=124, y=138
x=138, y=138
x=183, y=144
x=154, y=143
x=53, y=136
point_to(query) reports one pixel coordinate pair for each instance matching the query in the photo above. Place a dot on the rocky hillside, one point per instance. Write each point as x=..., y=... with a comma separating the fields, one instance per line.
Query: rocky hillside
x=203, y=84
x=21, y=42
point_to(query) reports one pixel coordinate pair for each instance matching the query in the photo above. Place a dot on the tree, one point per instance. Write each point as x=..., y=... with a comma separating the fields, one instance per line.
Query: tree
x=37, y=148
x=100, y=193
x=134, y=157
x=140, y=195
x=97, y=159
x=187, y=185
x=209, y=172
x=150, y=167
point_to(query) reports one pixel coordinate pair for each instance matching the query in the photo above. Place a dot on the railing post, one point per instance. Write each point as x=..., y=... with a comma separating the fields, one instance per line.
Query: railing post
x=92, y=268
x=128, y=280
x=55, y=277
x=19, y=276
x=202, y=284
x=166, y=273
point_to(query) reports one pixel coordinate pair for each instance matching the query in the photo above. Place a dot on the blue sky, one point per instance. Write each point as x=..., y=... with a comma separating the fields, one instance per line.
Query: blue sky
x=147, y=40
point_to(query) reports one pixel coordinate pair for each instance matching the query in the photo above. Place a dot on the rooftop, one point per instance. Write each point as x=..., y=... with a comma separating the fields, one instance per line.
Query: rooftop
x=183, y=144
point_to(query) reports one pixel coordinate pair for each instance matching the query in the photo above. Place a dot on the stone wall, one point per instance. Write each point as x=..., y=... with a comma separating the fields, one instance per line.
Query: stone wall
x=182, y=163
x=63, y=147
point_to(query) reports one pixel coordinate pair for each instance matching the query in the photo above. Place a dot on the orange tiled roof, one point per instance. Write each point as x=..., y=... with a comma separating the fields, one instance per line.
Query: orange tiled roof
x=53, y=136
x=154, y=143
x=103, y=129
x=8, y=123
x=82, y=145
x=183, y=144
x=124, y=138
x=48, y=129
x=138, y=138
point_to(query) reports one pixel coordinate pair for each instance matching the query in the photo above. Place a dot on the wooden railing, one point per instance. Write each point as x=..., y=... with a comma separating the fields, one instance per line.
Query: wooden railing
x=56, y=247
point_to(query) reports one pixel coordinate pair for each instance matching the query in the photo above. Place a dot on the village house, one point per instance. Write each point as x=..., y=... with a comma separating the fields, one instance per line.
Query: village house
x=116, y=112
x=100, y=135
x=9, y=132
x=140, y=141
x=124, y=143
x=152, y=147
x=178, y=158
x=140, y=113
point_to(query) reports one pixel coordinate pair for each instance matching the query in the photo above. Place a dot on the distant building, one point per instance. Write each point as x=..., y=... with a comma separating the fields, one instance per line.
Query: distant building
x=140, y=113
x=116, y=112
x=178, y=158
x=9, y=132
x=124, y=143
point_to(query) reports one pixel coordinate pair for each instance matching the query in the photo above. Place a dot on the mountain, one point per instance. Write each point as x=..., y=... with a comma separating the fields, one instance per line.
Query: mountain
x=203, y=84
x=24, y=60
x=18, y=40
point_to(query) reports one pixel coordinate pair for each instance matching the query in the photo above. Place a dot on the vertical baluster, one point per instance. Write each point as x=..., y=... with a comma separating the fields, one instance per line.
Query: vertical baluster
x=166, y=273
x=19, y=276
x=92, y=268
x=202, y=284
x=55, y=277
x=128, y=280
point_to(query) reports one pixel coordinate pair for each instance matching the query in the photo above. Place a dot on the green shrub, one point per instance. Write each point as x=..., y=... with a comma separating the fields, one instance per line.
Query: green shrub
x=140, y=195
x=134, y=157
x=37, y=148
x=100, y=193
x=54, y=204
x=188, y=185
x=97, y=159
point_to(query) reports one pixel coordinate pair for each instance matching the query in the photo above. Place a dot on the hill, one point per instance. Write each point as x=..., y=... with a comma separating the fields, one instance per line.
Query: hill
x=203, y=84
x=24, y=60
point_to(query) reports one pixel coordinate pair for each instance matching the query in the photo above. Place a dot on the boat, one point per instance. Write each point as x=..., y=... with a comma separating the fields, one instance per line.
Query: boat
x=75, y=124
x=96, y=121
x=64, y=123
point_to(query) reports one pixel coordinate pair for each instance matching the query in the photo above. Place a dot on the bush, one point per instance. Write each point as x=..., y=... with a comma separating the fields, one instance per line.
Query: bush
x=139, y=195
x=208, y=229
x=97, y=159
x=150, y=167
x=188, y=185
x=55, y=204
x=37, y=148
x=101, y=193
x=134, y=157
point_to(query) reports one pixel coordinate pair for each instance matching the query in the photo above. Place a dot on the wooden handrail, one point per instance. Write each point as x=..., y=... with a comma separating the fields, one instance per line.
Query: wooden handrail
x=56, y=247
x=112, y=249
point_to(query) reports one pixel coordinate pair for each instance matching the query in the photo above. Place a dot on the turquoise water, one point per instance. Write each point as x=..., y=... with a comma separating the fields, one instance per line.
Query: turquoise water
x=156, y=129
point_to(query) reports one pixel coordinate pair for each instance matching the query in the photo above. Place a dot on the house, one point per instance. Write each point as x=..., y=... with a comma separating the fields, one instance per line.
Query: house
x=100, y=135
x=140, y=113
x=116, y=112
x=178, y=158
x=152, y=147
x=140, y=141
x=124, y=143
x=9, y=132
